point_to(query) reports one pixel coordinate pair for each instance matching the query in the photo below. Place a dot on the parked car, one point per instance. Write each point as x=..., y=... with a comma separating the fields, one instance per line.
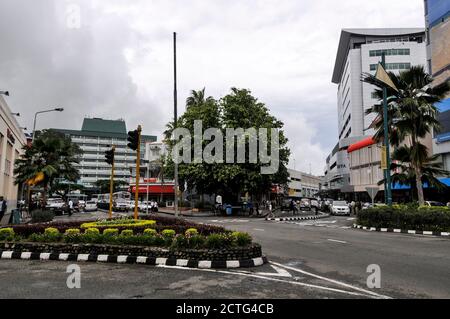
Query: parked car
x=56, y=205
x=340, y=208
x=91, y=206
x=121, y=206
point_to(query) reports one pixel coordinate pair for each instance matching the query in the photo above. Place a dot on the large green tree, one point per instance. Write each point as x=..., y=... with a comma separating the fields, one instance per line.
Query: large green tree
x=412, y=115
x=105, y=184
x=54, y=155
x=238, y=109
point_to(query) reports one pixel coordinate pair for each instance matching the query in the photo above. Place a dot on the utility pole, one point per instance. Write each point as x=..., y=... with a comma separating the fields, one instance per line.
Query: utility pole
x=388, y=191
x=175, y=115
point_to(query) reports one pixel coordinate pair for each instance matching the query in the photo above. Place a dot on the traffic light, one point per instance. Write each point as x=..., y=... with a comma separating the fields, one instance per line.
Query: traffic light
x=133, y=139
x=109, y=155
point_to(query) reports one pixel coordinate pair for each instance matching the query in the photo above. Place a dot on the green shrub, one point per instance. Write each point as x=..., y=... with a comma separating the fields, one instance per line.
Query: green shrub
x=7, y=234
x=180, y=241
x=92, y=231
x=168, y=233
x=218, y=241
x=430, y=219
x=150, y=232
x=242, y=239
x=127, y=223
x=197, y=241
x=191, y=232
x=127, y=232
x=42, y=216
x=72, y=232
x=159, y=241
x=111, y=232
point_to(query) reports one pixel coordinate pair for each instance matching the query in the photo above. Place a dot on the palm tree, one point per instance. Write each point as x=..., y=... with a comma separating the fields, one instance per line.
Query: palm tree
x=52, y=154
x=405, y=174
x=197, y=98
x=412, y=116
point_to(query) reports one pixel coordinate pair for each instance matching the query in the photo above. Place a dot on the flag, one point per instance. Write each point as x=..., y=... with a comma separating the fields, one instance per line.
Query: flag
x=382, y=76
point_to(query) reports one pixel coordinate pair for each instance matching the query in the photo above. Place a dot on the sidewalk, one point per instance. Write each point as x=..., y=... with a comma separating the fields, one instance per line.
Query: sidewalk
x=190, y=213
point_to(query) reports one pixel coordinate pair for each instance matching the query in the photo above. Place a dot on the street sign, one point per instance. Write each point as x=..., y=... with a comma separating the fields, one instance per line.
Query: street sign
x=383, y=158
x=372, y=192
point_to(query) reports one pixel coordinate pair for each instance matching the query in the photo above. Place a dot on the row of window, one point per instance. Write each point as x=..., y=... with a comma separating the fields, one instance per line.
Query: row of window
x=392, y=66
x=389, y=52
x=345, y=125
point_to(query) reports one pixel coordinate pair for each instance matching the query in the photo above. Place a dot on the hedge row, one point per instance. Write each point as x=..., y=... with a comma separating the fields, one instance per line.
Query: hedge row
x=434, y=219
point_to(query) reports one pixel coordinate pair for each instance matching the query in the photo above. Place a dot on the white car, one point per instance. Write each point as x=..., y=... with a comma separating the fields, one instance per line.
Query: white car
x=340, y=208
x=56, y=205
x=90, y=206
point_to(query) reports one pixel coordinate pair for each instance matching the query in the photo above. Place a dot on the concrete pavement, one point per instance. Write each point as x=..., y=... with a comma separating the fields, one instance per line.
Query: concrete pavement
x=309, y=259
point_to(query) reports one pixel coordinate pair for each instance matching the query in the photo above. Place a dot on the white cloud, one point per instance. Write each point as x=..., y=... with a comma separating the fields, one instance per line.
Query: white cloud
x=119, y=64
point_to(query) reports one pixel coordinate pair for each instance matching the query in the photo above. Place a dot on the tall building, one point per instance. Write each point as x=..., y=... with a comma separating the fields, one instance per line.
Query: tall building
x=302, y=184
x=360, y=51
x=12, y=139
x=95, y=137
x=437, y=18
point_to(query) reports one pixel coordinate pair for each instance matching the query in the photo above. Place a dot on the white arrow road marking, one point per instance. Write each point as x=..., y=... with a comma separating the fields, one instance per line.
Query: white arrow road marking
x=271, y=279
x=280, y=272
x=337, y=241
x=333, y=281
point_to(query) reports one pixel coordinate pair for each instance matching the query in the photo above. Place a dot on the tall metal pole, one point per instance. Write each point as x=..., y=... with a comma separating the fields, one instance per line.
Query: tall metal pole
x=388, y=190
x=175, y=115
x=138, y=167
x=111, y=184
x=148, y=179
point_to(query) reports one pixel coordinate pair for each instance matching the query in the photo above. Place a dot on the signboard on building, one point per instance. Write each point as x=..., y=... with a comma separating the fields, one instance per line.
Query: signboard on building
x=383, y=157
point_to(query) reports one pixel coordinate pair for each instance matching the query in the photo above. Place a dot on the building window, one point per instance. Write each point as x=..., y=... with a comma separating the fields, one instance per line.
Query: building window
x=374, y=53
x=392, y=66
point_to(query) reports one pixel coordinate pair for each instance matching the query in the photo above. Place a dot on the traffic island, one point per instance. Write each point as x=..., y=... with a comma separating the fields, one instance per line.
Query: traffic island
x=298, y=218
x=403, y=231
x=155, y=241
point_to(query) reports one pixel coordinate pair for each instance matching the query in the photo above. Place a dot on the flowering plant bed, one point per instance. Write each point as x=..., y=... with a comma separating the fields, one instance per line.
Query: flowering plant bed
x=154, y=238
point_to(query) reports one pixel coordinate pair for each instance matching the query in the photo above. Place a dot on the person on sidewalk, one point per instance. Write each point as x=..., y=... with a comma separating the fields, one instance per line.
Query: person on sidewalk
x=70, y=207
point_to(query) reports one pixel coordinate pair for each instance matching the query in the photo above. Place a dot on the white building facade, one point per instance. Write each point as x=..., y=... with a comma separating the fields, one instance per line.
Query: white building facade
x=97, y=136
x=359, y=51
x=12, y=139
x=302, y=184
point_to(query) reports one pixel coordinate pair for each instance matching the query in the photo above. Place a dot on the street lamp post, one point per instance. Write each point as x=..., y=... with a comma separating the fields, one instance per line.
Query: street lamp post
x=59, y=109
x=387, y=172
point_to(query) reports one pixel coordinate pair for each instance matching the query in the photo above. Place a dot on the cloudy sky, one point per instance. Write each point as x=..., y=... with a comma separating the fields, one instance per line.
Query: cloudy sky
x=115, y=60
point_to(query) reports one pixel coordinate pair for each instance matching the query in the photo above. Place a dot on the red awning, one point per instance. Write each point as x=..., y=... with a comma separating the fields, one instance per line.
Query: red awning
x=155, y=189
x=361, y=144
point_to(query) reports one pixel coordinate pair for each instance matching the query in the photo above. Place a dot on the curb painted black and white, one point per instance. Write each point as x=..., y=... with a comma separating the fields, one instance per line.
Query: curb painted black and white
x=285, y=219
x=402, y=231
x=124, y=259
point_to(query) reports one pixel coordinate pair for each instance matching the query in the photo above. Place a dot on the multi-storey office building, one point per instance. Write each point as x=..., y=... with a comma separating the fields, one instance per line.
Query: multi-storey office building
x=359, y=51
x=97, y=136
x=303, y=184
x=437, y=17
x=12, y=139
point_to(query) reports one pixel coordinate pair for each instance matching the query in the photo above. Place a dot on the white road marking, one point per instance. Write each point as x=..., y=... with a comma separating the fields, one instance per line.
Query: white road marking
x=352, y=218
x=280, y=272
x=258, y=229
x=337, y=241
x=273, y=279
x=333, y=281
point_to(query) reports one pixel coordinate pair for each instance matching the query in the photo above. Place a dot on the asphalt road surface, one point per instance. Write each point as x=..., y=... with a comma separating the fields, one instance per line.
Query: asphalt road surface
x=320, y=259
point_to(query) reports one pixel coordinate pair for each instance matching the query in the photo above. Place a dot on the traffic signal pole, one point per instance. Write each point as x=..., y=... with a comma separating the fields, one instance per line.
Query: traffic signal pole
x=111, y=184
x=138, y=162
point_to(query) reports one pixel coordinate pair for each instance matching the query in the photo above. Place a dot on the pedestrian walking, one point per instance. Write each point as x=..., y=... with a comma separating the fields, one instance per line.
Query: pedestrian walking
x=70, y=207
